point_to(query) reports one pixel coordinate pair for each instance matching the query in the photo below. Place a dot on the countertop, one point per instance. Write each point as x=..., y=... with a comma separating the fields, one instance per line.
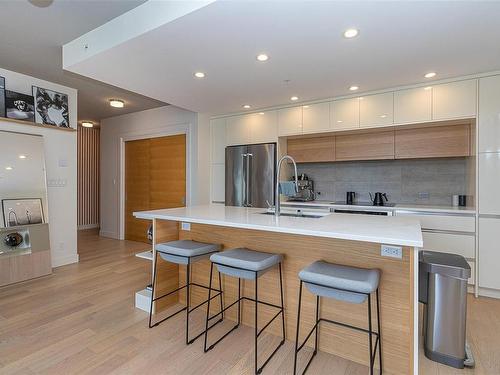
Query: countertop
x=392, y=230
x=397, y=207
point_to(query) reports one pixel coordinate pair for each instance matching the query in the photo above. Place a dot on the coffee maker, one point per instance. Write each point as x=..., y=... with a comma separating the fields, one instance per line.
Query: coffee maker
x=305, y=189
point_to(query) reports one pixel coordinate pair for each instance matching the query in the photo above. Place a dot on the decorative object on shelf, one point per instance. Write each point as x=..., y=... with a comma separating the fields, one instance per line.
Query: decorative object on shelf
x=23, y=211
x=13, y=239
x=51, y=107
x=2, y=97
x=19, y=106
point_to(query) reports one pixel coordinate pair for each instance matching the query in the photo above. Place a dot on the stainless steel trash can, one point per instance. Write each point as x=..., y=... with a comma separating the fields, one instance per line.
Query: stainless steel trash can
x=443, y=290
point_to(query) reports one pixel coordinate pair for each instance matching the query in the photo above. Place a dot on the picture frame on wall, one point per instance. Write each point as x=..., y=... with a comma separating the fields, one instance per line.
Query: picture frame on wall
x=22, y=211
x=19, y=106
x=51, y=107
x=2, y=97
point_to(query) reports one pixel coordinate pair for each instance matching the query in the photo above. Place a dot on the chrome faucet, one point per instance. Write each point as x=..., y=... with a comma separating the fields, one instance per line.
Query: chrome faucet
x=277, y=205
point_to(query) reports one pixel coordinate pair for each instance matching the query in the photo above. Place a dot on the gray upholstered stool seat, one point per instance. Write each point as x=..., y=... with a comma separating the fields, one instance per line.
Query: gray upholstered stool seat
x=343, y=283
x=244, y=263
x=180, y=251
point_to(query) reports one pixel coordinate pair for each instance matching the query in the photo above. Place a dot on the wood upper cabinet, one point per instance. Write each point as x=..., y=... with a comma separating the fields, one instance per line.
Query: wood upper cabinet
x=454, y=100
x=290, y=121
x=316, y=118
x=344, y=114
x=413, y=105
x=433, y=142
x=376, y=110
x=315, y=149
x=365, y=146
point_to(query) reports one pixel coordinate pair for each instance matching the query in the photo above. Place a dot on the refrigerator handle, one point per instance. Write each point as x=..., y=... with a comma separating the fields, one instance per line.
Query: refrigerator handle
x=248, y=199
x=245, y=178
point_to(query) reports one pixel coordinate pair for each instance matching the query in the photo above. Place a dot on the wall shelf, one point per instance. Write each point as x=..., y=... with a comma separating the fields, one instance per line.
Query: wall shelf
x=45, y=126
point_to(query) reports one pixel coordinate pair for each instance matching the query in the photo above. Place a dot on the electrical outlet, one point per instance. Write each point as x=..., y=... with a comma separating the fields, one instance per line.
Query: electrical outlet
x=391, y=251
x=423, y=195
x=186, y=226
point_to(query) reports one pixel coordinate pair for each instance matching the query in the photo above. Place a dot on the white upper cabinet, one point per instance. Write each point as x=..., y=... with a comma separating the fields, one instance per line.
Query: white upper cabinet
x=238, y=130
x=218, y=140
x=290, y=121
x=218, y=183
x=454, y=100
x=344, y=114
x=413, y=105
x=489, y=183
x=316, y=118
x=264, y=127
x=376, y=110
x=489, y=114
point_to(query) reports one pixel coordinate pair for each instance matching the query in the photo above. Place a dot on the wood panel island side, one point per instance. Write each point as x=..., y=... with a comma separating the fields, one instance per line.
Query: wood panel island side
x=352, y=240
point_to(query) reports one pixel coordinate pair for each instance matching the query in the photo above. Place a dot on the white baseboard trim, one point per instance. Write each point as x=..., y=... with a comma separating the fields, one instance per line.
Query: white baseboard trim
x=88, y=226
x=108, y=234
x=491, y=293
x=64, y=260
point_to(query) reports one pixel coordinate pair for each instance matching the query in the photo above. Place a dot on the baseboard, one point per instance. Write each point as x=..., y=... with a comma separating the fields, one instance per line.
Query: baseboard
x=491, y=293
x=104, y=233
x=64, y=260
x=88, y=226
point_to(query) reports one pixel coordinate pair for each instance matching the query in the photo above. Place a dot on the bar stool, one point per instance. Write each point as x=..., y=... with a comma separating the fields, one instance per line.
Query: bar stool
x=246, y=264
x=185, y=252
x=348, y=284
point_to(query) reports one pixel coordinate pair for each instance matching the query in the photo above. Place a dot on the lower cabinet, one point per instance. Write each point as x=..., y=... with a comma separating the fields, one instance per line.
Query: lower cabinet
x=489, y=252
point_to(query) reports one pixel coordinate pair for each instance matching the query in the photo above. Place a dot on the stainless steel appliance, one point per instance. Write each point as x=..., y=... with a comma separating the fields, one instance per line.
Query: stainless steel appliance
x=362, y=212
x=250, y=175
x=443, y=289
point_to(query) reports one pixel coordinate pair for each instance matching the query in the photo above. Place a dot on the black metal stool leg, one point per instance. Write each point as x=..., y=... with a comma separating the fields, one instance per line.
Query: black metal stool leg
x=282, y=306
x=220, y=297
x=257, y=370
x=239, y=301
x=370, y=332
x=379, y=335
x=317, y=326
x=205, y=349
x=297, y=332
x=188, y=295
x=153, y=290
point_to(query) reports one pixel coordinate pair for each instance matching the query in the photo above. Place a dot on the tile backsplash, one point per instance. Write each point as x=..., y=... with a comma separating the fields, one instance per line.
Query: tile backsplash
x=420, y=181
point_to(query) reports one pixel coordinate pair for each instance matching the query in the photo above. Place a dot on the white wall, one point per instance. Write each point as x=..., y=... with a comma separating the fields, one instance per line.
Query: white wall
x=155, y=122
x=59, y=146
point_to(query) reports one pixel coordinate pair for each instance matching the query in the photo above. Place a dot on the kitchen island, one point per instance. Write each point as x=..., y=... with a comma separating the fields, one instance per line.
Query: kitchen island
x=338, y=238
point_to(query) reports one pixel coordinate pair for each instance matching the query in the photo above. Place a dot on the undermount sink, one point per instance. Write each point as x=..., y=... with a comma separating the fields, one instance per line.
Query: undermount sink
x=297, y=214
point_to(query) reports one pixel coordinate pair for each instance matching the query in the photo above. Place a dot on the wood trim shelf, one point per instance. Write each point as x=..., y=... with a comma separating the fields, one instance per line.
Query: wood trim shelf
x=45, y=126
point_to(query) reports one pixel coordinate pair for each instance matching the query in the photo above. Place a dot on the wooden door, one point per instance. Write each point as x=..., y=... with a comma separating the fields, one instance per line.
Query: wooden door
x=155, y=177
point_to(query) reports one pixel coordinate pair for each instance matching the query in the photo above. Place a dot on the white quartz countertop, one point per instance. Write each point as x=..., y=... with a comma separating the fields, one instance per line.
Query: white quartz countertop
x=392, y=230
x=397, y=207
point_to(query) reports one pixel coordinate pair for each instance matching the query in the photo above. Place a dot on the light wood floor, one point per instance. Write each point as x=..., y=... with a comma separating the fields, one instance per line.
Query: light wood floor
x=82, y=319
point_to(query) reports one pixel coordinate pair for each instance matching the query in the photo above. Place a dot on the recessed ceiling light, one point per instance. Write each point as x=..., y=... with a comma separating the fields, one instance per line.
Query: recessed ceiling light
x=246, y=106
x=199, y=75
x=261, y=113
x=430, y=75
x=428, y=88
x=351, y=33
x=339, y=121
x=22, y=156
x=305, y=106
x=262, y=57
x=117, y=103
x=8, y=168
x=87, y=124
x=353, y=88
x=294, y=98
x=383, y=116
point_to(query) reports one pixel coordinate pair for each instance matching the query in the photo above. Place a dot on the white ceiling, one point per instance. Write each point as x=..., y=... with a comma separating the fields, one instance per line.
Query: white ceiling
x=31, y=40
x=397, y=44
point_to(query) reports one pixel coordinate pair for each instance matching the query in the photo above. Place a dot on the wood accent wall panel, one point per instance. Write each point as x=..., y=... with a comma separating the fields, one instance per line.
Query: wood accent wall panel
x=396, y=291
x=365, y=146
x=155, y=177
x=314, y=149
x=88, y=146
x=433, y=142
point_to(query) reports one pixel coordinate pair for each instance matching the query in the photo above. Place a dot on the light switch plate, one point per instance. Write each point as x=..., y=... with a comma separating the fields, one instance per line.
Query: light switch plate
x=186, y=226
x=391, y=251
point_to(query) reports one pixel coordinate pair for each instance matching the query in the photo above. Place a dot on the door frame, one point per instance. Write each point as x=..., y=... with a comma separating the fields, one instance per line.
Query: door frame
x=169, y=131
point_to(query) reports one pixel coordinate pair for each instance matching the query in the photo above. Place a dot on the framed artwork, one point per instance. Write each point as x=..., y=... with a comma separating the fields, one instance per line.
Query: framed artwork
x=2, y=97
x=19, y=106
x=23, y=211
x=51, y=107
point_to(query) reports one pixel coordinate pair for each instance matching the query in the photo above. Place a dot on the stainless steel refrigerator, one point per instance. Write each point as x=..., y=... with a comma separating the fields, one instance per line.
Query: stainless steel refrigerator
x=250, y=175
